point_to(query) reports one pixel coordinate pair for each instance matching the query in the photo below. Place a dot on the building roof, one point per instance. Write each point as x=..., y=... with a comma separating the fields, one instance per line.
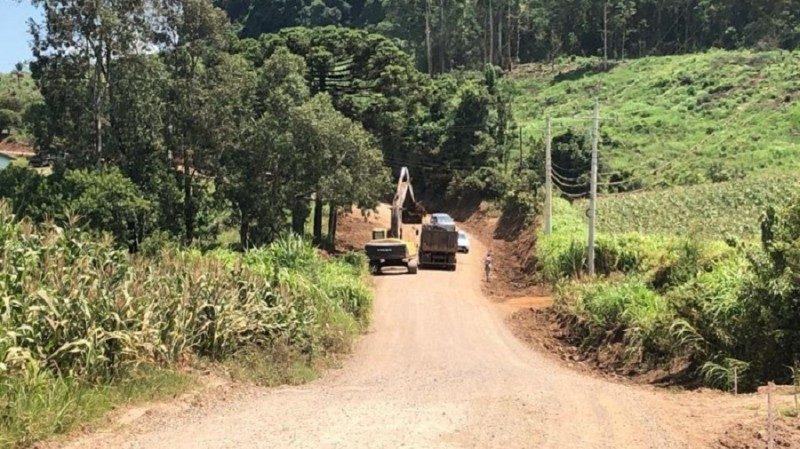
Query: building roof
x=16, y=149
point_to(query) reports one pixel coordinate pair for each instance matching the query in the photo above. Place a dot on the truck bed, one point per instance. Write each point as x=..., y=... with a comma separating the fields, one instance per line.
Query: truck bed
x=438, y=246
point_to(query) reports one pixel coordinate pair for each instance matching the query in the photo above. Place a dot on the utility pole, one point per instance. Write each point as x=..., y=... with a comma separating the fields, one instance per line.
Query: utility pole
x=593, y=187
x=548, y=181
x=605, y=35
x=519, y=170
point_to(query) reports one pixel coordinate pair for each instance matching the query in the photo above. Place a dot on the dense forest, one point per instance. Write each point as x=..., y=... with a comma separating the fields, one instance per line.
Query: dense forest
x=447, y=34
x=174, y=126
x=265, y=116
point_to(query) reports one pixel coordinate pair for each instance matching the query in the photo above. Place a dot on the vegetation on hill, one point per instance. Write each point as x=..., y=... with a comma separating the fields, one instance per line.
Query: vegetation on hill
x=672, y=120
x=701, y=310
x=444, y=35
x=709, y=211
x=82, y=320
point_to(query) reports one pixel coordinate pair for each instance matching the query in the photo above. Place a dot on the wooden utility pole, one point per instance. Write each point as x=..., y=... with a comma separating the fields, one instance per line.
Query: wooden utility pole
x=548, y=179
x=770, y=418
x=593, y=187
x=520, y=150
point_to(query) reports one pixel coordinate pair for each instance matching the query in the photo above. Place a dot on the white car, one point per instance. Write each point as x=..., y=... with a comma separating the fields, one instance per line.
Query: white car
x=463, y=242
x=444, y=221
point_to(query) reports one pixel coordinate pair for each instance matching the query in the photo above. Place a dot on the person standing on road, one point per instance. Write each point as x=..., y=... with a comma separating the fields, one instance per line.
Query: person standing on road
x=487, y=265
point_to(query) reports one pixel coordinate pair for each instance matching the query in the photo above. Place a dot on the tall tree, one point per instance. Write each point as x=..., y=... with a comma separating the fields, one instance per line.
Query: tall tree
x=88, y=37
x=195, y=36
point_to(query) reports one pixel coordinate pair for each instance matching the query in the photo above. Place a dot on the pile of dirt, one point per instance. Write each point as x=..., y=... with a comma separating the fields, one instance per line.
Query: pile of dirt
x=354, y=229
x=753, y=435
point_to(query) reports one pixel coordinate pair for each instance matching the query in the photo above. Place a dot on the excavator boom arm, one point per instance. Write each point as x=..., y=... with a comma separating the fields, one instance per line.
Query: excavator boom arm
x=404, y=189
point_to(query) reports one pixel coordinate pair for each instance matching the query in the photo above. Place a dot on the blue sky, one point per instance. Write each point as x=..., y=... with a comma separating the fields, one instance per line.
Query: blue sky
x=15, y=42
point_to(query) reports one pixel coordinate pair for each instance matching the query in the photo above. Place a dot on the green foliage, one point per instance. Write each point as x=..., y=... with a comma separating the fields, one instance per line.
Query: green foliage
x=674, y=120
x=106, y=200
x=102, y=200
x=708, y=306
x=8, y=121
x=33, y=411
x=626, y=312
x=31, y=194
x=772, y=298
x=18, y=95
x=706, y=211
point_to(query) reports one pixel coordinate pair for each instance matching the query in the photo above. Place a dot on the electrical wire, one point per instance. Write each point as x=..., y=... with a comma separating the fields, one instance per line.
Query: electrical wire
x=564, y=178
x=570, y=185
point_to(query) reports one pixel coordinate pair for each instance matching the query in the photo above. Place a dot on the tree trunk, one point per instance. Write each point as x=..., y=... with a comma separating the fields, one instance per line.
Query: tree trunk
x=244, y=230
x=491, y=34
x=299, y=216
x=605, y=35
x=519, y=28
x=500, y=39
x=317, y=219
x=428, y=43
x=188, y=198
x=332, y=222
x=443, y=38
x=509, y=25
x=98, y=108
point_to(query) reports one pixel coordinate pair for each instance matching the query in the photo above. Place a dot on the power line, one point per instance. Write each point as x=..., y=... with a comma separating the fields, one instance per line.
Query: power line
x=569, y=185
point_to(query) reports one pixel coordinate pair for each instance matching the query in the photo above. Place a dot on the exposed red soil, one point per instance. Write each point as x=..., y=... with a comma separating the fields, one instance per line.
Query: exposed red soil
x=753, y=434
x=354, y=230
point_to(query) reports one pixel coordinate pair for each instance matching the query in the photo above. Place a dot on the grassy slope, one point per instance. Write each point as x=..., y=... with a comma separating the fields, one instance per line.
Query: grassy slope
x=687, y=112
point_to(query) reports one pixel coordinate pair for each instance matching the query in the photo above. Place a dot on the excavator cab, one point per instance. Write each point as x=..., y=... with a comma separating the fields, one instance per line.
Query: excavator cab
x=378, y=234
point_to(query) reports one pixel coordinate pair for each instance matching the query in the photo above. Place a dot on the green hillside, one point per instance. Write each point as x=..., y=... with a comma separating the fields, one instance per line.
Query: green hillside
x=678, y=119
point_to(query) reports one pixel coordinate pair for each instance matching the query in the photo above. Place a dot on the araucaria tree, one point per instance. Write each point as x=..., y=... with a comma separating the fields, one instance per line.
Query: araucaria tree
x=164, y=91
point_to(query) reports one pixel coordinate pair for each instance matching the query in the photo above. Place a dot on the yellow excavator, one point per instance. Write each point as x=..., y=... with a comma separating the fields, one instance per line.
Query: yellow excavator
x=388, y=248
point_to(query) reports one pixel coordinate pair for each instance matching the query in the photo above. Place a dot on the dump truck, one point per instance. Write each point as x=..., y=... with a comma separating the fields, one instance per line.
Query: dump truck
x=384, y=251
x=438, y=246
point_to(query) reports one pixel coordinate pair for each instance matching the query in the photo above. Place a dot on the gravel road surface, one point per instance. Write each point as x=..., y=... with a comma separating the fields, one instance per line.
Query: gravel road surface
x=438, y=369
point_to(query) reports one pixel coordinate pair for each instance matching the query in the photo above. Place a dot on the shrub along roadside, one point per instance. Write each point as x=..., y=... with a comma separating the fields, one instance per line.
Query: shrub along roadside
x=80, y=317
x=696, y=309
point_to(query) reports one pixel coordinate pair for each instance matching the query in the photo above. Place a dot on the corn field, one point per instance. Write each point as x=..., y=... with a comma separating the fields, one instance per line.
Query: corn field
x=713, y=211
x=74, y=305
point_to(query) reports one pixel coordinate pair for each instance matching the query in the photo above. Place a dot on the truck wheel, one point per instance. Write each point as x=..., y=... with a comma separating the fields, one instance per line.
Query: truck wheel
x=412, y=267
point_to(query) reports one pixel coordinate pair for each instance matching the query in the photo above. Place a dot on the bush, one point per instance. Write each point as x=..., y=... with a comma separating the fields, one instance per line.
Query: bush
x=103, y=200
x=625, y=312
x=8, y=120
x=31, y=194
x=106, y=200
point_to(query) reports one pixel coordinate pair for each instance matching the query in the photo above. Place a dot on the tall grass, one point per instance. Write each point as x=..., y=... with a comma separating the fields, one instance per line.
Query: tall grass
x=74, y=308
x=667, y=300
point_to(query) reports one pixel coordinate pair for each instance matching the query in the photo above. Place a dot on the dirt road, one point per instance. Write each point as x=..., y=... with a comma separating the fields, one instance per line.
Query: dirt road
x=439, y=369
